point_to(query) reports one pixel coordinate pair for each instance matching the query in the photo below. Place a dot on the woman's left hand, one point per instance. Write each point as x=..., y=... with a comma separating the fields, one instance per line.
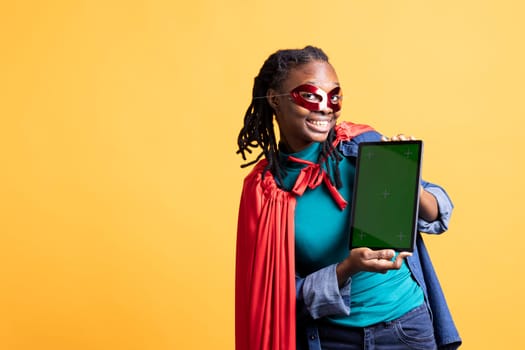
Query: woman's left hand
x=398, y=137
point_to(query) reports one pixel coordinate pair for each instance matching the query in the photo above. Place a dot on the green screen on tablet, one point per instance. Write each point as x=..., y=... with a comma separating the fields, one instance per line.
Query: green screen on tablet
x=386, y=195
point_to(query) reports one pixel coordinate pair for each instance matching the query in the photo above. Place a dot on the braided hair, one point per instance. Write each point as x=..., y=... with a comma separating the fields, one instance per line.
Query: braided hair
x=258, y=129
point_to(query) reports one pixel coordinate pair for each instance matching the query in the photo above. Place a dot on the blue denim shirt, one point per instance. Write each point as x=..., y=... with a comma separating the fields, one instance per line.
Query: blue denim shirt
x=319, y=295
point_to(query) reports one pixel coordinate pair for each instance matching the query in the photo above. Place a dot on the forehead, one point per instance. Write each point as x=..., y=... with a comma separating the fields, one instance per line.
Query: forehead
x=317, y=73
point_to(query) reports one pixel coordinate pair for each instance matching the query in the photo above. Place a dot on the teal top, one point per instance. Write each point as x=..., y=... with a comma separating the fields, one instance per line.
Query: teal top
x=322, y=239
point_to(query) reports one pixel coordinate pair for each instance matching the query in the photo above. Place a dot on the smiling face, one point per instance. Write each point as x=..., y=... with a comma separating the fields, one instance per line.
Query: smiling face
x=311, y=111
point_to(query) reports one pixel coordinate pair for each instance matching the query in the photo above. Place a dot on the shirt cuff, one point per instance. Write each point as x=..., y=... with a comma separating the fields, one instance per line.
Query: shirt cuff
x=445, y=207
x=322, y=295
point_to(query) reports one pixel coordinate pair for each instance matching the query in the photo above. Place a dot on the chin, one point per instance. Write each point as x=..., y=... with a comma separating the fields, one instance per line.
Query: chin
x=319, y=138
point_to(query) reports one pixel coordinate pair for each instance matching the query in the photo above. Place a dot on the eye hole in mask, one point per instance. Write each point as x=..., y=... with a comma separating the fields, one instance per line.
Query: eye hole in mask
x=316, y=99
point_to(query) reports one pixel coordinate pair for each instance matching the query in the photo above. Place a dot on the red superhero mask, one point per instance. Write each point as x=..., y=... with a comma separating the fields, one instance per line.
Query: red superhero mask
x=316, y=99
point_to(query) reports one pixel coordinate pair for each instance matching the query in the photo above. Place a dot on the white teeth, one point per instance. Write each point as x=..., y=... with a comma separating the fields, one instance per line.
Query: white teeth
x=319, y=122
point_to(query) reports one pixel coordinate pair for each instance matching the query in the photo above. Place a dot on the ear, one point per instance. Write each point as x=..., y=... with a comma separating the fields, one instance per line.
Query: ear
x=273, y=99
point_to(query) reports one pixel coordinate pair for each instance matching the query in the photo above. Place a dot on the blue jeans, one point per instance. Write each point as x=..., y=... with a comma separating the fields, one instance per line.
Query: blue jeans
x=413, y=330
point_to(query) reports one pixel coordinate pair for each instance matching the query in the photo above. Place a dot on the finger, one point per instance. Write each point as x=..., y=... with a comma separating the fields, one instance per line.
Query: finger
x=385, y=254
x=384, y=138
x=412, y=138
x=399, y=259
x=385, y=263
x=403, y=255
x=402, y=137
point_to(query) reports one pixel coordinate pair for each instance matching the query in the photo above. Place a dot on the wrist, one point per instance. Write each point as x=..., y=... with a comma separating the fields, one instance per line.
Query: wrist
x=343, y=271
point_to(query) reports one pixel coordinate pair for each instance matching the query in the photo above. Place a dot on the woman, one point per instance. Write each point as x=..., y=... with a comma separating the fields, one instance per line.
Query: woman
x=297, y=286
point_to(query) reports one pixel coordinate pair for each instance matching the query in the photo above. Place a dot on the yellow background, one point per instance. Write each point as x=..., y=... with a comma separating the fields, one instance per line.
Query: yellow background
x=119, y=182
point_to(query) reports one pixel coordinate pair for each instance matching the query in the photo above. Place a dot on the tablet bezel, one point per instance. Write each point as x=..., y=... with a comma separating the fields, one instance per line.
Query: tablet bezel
x=415, y=203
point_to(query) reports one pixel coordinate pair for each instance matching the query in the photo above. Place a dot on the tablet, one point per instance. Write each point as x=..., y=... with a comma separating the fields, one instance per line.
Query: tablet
x=385, y=200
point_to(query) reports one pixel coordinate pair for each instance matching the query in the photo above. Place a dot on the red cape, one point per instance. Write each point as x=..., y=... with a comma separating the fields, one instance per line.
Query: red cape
x=265, y=267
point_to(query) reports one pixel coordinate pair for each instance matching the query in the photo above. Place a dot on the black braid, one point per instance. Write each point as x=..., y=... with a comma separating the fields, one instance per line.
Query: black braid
x=258, y=129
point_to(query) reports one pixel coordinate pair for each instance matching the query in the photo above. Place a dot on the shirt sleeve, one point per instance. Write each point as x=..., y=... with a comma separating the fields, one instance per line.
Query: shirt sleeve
x=319, y=294
x=445, y=208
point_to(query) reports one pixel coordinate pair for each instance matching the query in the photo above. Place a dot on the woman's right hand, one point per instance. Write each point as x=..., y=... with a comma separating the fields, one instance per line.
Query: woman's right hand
x=366, y=259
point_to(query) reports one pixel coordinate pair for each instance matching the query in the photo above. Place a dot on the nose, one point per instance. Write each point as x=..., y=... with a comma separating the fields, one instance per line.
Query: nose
x=324, y=108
